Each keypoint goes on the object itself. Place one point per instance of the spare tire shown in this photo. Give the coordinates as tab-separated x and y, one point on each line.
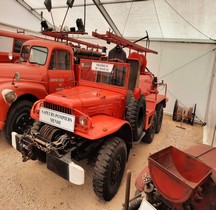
136	113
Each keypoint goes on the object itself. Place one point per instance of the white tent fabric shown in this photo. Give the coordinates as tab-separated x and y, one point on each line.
163	19
181	31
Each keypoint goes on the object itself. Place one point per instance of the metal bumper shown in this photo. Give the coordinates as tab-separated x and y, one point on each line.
145	205
62	166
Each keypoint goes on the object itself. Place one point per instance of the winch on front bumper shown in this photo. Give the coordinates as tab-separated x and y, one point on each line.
60	164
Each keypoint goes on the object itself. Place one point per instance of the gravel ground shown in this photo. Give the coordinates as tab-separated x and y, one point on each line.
31	185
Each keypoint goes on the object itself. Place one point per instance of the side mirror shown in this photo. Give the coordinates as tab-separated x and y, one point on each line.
48	5
137	93
17	76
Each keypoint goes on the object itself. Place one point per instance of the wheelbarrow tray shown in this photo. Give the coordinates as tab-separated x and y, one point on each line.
177	174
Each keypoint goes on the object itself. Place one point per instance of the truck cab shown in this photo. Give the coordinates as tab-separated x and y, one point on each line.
45	67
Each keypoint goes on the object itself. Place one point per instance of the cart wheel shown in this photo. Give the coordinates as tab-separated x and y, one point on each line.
109	168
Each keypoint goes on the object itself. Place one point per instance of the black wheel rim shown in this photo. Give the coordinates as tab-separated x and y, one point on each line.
116	172
23	122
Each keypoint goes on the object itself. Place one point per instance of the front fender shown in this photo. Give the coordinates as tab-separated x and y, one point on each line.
37	89
103	125
21	89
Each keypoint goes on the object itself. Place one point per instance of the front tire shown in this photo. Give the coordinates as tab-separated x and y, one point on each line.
18	119
109	168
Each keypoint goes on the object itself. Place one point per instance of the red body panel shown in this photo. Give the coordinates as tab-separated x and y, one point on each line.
35	80
102	125
11	42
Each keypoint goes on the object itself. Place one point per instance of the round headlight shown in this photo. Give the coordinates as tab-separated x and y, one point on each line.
9	96
82	120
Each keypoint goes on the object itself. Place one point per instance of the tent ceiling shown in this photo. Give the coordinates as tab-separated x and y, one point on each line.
163	19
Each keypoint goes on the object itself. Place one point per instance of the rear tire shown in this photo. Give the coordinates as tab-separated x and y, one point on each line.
150	132
18	119
109	168
159	110
136	113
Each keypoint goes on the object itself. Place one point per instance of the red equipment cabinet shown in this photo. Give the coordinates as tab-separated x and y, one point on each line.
114	105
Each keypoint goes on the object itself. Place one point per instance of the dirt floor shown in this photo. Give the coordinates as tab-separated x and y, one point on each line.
31	185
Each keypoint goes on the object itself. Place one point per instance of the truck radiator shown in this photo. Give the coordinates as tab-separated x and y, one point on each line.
57	108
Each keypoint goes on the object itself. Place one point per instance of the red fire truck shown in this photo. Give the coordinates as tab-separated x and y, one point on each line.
116	103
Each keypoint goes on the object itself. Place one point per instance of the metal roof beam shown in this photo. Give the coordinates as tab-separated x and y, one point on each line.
105	14
91	4
32	10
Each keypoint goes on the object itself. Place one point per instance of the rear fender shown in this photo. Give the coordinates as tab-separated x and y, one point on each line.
103	125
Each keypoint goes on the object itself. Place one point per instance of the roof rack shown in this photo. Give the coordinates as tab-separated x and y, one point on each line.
113	38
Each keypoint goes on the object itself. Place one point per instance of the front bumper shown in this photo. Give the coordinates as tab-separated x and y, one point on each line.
63	166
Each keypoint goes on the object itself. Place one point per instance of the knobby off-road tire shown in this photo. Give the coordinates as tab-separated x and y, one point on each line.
18	119
136	113
150	132
109	168
159	110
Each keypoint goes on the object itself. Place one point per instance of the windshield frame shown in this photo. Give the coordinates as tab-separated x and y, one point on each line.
30	54
105	72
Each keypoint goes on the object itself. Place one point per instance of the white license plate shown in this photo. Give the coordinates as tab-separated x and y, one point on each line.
57	119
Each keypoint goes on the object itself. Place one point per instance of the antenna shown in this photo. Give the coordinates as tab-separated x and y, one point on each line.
70	5
48	5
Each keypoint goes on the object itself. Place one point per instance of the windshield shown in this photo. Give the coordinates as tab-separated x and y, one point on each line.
38	55
105	73
35	55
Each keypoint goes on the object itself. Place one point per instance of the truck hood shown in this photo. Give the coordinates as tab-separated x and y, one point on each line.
8	70
89	100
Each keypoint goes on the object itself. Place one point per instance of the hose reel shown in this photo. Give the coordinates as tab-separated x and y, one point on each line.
183	114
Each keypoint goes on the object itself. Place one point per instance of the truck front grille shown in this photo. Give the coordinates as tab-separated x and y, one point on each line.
57	108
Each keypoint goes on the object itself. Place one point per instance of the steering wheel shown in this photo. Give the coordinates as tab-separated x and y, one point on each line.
114	81
116	60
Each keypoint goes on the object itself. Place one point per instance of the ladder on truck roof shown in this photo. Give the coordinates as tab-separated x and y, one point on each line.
113	38
65	36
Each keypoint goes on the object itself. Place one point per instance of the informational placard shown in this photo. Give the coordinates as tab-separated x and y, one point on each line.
103	67
57	119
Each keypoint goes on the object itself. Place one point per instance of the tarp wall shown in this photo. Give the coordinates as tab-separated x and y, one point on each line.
210	128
